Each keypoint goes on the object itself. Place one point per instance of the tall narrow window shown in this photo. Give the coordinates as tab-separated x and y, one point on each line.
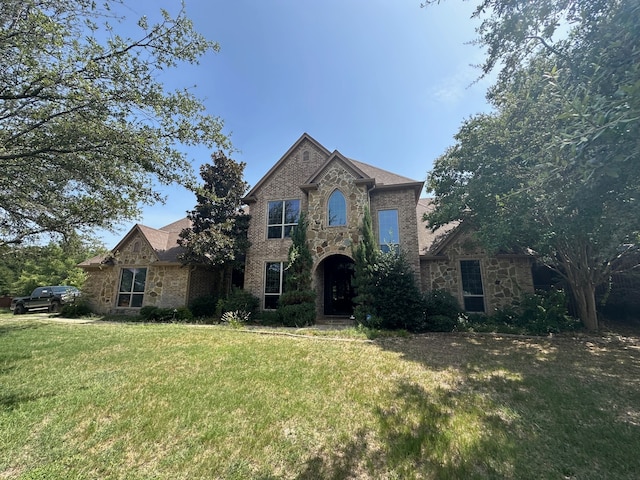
472	291
337	209
273	284
305	156
132	282
388	232
283	216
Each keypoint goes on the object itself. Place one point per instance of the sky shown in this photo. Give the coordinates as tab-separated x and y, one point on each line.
384	82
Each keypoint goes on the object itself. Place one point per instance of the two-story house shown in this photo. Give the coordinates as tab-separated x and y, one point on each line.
333	191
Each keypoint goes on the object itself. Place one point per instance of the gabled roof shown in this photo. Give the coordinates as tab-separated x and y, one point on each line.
433	242
366	173
305	137
347	163
163	241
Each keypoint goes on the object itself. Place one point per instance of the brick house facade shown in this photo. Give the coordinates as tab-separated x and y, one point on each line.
144	269
307	178
333	191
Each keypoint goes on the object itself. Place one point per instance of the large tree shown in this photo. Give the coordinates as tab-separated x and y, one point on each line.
555	167
86	126
218	235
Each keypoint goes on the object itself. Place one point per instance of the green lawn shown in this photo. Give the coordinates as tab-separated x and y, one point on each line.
134	401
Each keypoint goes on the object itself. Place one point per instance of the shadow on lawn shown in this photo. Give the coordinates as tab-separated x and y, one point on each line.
507	407
414	438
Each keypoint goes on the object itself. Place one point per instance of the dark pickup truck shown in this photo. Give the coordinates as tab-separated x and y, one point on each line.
50	299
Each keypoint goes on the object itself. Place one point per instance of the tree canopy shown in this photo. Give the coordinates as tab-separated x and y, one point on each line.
555	167
218	235
86	126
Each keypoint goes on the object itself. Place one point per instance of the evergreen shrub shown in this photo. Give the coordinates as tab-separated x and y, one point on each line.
204	306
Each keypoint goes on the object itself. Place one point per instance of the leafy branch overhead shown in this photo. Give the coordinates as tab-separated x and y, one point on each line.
554	168
86	126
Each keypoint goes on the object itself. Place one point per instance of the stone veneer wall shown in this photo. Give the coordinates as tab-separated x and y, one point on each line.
166	285
325	240
504	277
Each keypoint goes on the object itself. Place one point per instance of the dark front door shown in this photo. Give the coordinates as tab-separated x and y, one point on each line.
338	289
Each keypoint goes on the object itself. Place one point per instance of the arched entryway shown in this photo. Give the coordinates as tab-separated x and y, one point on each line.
338	285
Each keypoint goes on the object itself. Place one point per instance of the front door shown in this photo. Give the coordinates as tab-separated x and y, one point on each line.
338	289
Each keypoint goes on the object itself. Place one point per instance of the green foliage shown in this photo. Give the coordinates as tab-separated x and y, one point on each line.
151	313
443	311
554	168
204	306
239	300
296	306
24	268
298	314
268	318
75	310
365	260
218	235
542	313
398	300
87	126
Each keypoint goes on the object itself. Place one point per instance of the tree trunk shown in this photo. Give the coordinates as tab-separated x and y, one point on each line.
585	297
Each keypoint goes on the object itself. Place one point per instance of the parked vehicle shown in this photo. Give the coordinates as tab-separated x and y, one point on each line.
50	298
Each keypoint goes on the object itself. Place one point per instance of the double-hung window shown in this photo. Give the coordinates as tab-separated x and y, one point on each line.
132	283
388	232
472	291
273	284
283	215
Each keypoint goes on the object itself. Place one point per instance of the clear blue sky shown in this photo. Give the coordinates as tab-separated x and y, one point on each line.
382	81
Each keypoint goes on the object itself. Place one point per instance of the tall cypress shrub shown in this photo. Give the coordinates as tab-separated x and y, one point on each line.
366	262
297	306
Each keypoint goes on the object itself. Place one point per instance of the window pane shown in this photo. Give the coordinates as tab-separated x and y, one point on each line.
274	232
272	279
474	304
471	277
136	300
271	302
275	213
292	211
124	299
126	281
337	209
388	227
139	281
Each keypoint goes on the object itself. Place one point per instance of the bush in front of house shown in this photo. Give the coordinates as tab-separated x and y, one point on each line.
541	313
204	307
151	313
398	302
443	311
298	314
75	310
268	318
239	300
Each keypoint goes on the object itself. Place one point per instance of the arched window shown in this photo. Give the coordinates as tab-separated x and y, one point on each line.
337	209
305	156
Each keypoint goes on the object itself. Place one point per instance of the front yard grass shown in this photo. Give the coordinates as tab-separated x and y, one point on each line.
139	401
